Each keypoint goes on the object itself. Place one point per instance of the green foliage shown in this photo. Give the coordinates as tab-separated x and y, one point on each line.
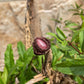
28	55
69	24
21	50
68	56
22	69
37	62
78	80
74	36
54	35
71	67
1	82
60	34
57	55
81	40
4	76
9	60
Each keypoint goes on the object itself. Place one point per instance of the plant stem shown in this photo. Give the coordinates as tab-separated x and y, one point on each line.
82	78
74	47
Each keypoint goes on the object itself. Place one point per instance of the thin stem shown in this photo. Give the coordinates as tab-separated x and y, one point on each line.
82	78
35	69
74	47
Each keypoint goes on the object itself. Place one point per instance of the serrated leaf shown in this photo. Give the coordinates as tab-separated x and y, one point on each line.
63	47
28	57
70	25
60	34
57	55
21	50
22	79
29	54
37	62
29	73
54	35
68	51
81	40
71	67
9	60
19	63
74	36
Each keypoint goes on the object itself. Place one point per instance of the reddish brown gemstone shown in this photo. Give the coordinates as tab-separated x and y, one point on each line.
41	45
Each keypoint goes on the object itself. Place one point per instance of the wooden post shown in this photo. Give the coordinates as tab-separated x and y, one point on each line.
35	26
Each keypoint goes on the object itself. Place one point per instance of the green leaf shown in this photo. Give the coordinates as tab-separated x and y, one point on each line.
19	64
60	34
70	25
1	82
81	40
58	21
26	75
9	60
29	73
76	14
37	62
21	50
54	35
75	35
78	80
57	55
22	79
63	47
13	71
82	17
71	67
28	57
77	6
4	76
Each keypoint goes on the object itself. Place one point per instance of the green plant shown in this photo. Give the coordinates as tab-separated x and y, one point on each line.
68	56
23	68
18	69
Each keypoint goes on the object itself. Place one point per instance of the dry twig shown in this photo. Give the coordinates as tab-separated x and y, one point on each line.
36	78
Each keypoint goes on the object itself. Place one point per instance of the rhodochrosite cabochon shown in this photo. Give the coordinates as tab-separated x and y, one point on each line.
41	45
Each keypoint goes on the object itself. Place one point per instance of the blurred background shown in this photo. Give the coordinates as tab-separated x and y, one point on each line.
12	20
